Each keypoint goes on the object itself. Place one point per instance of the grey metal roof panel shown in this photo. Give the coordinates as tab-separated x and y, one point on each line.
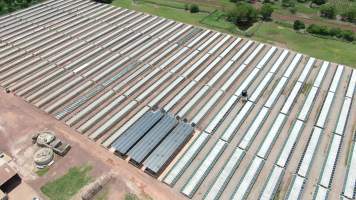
136	131
151	139
169	146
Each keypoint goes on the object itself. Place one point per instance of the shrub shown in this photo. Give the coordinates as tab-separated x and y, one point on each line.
298	25
194	8
335	32
328	11
266	11
348	35
318	30
319	2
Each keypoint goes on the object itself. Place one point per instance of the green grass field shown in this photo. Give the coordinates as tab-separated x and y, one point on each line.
332	50
130	196
65	187
163	11
270	32
300	7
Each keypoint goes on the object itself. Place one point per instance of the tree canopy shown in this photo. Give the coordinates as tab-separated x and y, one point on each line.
328	11
194	8
7	6
349	14
243	14
298	25
266	11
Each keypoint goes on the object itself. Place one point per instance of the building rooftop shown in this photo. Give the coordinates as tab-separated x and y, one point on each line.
6	173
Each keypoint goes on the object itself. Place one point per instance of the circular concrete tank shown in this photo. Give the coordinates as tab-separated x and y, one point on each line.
45	138
43	157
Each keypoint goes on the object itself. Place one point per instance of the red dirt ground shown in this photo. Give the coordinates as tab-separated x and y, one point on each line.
19	120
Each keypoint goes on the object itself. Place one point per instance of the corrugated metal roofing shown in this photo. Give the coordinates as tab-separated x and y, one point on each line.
152	138
169	146
136	131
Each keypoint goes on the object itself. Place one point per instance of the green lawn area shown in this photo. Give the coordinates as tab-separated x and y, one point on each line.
69	184
301	8
270	32
304	8
332	50
163	11
217	21
130	196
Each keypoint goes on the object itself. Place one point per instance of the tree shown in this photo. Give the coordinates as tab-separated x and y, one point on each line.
319	2
2	7
328	11
243	14
293	10
298	25
194	8
7	6
266	11
349	15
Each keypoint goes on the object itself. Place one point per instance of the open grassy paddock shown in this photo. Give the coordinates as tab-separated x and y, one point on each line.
212	16
327	49
65	187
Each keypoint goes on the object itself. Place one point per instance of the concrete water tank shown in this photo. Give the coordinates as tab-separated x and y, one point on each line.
45	137
43	157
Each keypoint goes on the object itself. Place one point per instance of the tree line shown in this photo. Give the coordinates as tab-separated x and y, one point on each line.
326	8
315	29
7	6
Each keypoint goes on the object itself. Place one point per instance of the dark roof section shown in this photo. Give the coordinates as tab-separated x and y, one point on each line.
6	173
145	146
166	151
129	138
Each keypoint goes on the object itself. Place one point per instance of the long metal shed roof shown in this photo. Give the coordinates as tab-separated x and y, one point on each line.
152	138
136	131
169	146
